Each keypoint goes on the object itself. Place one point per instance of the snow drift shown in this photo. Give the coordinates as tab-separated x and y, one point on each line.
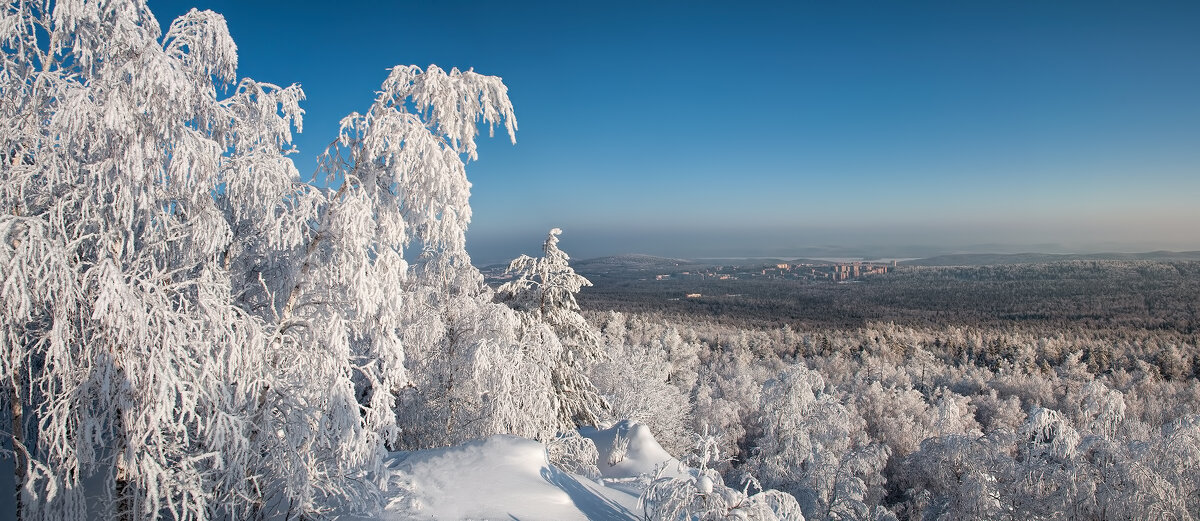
501	477
628	450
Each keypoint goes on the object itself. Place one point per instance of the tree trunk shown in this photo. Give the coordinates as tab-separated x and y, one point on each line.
122	489
451	413
20	455
124	505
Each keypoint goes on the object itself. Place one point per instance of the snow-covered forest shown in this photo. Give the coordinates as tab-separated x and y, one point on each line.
948	422
191	330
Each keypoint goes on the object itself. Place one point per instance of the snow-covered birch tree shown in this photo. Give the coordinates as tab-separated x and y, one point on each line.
125	179
182	317
400	169
356	316
815	448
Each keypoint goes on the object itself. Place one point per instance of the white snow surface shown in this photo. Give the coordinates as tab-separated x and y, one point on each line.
628	449
503	478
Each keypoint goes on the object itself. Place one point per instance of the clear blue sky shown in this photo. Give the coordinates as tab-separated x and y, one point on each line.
789	128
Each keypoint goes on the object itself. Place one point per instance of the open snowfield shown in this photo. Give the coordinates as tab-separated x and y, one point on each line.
501	477
507	477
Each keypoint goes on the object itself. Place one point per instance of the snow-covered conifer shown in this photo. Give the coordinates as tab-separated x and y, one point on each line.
543	290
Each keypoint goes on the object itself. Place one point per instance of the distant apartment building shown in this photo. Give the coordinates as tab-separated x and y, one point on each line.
840	272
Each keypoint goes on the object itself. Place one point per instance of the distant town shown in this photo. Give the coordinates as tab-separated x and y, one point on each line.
813	272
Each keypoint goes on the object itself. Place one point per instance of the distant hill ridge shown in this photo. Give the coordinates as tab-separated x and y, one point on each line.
630	260
991	259
639	261
635	258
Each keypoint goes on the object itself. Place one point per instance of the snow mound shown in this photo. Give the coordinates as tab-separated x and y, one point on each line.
501	477
628	450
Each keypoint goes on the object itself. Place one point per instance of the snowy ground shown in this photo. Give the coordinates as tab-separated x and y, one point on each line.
510	478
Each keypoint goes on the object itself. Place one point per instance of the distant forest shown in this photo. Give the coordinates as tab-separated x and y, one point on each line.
1100	294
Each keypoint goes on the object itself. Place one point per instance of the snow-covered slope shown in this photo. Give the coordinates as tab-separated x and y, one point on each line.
501	477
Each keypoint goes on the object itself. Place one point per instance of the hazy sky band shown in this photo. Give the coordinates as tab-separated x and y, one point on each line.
692	127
